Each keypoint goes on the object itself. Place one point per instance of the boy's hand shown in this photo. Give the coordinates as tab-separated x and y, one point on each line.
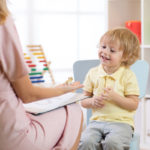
97	102
109	94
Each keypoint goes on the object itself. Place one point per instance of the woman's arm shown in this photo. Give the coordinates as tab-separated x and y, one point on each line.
29	93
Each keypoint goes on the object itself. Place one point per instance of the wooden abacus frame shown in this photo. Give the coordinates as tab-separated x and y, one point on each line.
36	48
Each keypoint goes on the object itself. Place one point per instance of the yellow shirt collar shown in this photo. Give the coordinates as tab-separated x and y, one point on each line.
114	76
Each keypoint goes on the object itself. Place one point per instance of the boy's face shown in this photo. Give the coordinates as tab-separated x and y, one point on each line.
110	55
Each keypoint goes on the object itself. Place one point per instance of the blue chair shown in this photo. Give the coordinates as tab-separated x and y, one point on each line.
140	68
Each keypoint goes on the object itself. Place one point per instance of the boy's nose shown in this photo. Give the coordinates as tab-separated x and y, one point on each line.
106	51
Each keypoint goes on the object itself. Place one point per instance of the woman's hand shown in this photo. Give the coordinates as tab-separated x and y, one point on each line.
28	92
69	87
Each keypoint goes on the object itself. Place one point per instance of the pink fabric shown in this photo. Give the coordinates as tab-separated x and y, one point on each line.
19	130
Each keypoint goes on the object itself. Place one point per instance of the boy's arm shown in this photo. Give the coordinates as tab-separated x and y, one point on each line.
93	102
87	103
131	102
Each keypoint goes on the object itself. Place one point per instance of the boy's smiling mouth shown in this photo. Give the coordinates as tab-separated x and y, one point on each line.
105	58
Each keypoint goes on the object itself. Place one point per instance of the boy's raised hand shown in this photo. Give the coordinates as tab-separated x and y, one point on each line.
109	94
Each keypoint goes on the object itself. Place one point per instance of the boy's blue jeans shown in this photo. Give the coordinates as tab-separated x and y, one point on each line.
106	136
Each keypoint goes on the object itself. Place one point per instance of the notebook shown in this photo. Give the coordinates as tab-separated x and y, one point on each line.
50	104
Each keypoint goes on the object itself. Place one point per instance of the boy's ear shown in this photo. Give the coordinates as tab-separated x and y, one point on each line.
124	59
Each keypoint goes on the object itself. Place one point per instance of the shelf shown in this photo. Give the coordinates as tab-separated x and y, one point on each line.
118	13
145	147
147	96
145	46
146	22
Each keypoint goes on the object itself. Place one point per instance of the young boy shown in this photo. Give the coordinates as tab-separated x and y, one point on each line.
114	93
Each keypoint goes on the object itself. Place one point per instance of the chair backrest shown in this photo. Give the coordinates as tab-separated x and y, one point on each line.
140	68
81	67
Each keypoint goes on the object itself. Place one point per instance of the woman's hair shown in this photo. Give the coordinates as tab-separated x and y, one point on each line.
128	42
4	12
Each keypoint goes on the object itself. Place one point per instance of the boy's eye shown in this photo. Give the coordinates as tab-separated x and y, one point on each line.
112	50
103	47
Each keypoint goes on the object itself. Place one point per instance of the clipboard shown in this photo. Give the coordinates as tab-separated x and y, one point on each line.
50	104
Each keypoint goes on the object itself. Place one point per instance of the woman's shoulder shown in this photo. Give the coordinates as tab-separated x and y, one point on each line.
8	24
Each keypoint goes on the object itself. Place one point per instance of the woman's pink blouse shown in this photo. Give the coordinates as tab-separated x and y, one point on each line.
18	129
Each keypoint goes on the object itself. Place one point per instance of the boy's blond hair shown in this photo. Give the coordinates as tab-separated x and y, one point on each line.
128	42
3	11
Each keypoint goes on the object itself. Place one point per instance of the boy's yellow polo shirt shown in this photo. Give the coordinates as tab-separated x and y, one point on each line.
123	81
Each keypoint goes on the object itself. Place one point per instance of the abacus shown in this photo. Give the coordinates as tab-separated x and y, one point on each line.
40	71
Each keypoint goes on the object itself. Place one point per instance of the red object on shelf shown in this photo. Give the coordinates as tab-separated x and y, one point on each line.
28	61
45	65
42	61
32	65
135	27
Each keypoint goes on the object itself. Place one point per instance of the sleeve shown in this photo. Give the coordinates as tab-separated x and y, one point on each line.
131	84
88	86
11	54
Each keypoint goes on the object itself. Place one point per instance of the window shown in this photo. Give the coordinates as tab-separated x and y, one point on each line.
68	30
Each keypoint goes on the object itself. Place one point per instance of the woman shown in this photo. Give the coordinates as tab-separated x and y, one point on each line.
59	129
